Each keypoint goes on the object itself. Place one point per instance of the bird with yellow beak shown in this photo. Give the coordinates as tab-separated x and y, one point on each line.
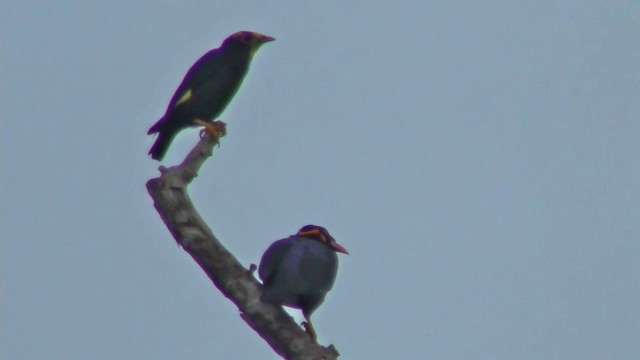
207	89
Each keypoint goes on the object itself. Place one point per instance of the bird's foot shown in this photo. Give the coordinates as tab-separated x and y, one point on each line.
216	129
308	328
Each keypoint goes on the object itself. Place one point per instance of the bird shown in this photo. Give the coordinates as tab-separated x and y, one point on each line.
207	89
299	270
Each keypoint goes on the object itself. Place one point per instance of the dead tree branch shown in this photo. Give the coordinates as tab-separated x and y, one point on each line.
272	323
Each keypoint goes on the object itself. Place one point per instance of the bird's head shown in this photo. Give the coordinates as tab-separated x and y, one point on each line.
321	234
250	39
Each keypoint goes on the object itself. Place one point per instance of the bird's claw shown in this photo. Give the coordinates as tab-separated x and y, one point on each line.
308	328
216	129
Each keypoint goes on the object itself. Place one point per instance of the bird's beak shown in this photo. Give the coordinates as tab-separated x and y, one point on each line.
266	39
338	248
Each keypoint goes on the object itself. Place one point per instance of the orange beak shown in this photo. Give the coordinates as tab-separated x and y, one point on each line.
338	248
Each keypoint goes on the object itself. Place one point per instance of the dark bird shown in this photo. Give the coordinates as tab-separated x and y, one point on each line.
207	89
299	271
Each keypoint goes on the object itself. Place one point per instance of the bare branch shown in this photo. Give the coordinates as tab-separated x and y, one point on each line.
272	323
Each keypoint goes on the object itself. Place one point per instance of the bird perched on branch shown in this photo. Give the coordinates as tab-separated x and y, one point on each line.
207	89
299	271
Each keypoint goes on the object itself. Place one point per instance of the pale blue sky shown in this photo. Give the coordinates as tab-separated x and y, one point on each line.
478	159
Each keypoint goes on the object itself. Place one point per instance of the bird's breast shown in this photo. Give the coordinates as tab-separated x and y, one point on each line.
310	266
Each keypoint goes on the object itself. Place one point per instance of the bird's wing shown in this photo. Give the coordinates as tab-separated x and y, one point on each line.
272	257
207	67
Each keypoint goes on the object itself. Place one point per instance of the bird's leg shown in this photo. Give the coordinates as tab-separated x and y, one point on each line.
308	327
217	129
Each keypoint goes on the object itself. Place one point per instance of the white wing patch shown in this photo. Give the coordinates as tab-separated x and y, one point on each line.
184	98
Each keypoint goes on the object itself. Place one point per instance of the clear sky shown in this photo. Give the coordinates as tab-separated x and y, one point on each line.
479	160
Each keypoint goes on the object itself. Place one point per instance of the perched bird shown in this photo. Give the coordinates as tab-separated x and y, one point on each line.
207	89
299	271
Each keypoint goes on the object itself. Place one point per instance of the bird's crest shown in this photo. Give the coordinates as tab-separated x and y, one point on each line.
315	232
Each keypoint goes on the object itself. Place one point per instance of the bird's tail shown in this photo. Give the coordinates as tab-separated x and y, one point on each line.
160	147
157	126
165	137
